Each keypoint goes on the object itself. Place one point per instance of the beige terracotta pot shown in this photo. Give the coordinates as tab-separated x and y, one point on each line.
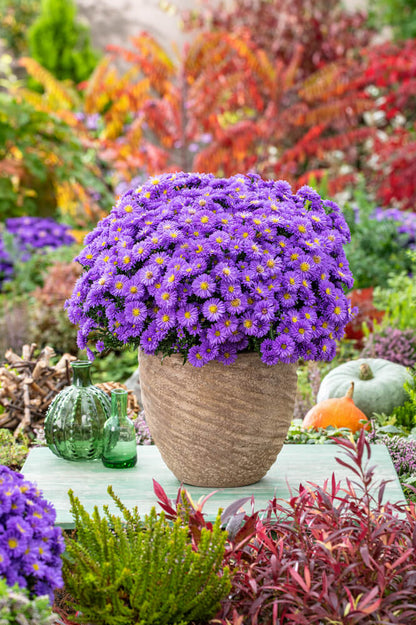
217	426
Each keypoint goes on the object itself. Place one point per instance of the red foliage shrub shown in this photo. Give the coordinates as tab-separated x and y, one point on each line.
330	554
323	28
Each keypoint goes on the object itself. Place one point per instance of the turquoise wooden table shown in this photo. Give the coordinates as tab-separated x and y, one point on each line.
295	464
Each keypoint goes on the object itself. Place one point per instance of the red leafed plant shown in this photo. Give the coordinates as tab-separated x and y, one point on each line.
331	554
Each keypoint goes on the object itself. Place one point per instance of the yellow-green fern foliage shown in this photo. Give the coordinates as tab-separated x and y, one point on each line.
129	569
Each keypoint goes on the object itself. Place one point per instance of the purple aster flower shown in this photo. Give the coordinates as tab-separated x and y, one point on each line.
216	335
285	347
135	310
165	319
236	304
249	324
203	286
187	315
264	310
269	353
213	309
227	354
196	356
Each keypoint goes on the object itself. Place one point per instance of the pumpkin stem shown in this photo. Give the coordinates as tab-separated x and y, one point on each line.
350	392
365	372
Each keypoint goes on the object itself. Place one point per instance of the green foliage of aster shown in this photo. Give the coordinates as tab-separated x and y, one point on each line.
123	570
208	267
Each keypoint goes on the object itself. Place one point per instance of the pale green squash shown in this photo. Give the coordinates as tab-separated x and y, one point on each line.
378	384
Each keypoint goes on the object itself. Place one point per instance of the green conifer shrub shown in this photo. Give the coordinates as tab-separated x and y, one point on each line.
60	43
124	570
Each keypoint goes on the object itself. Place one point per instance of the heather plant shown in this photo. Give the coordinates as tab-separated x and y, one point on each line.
402	451
207	267
17	608
30	545
132	569
391	344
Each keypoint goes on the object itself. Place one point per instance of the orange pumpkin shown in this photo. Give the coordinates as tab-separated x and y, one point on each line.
340	412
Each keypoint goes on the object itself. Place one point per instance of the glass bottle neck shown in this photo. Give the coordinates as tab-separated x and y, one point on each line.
119	403
82	373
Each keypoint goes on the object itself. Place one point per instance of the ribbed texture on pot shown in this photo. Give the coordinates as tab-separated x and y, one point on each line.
217	426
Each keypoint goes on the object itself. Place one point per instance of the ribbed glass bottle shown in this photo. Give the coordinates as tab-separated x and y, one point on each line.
120	447
75	419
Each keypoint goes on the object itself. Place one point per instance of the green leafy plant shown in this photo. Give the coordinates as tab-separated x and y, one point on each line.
17	609
398	300
116	366
143	570
377	248
321	436
60	43
399	15
12	452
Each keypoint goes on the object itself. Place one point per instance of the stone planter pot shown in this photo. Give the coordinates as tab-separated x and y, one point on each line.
217	426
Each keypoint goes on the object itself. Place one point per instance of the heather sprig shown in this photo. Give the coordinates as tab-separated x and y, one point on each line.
208	267
30	545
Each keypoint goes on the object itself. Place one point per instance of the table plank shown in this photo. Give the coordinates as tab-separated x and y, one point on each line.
295	464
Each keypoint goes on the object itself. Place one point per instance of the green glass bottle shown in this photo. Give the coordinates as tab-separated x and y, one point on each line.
75	418
120	447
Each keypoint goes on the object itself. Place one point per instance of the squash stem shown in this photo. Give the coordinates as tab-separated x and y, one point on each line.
365	372
350	391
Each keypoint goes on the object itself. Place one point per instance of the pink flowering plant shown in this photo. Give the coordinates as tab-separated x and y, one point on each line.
207	267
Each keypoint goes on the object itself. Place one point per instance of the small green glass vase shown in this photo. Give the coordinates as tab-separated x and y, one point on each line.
75	418
120	447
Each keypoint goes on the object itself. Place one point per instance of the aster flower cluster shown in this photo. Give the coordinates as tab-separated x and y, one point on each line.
30	545
38	232
208	267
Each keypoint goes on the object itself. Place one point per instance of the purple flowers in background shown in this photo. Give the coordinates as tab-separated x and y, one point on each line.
208	267
30	545
402	451
31	233
406	222
36	232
